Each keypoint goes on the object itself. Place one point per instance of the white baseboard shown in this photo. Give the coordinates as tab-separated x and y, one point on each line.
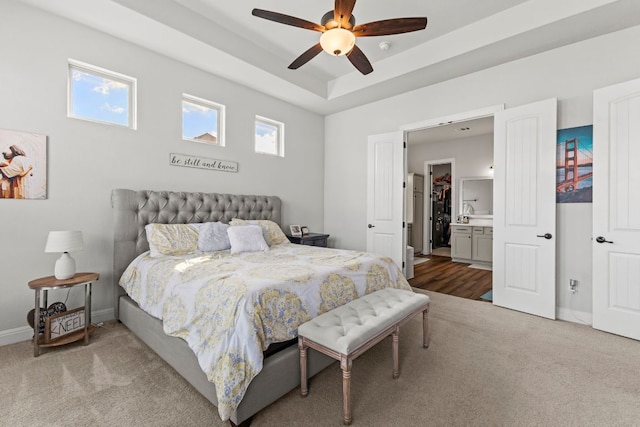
103	315
25	333
575	316
11	336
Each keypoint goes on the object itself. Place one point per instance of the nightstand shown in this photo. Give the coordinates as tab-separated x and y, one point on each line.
311	239
42	286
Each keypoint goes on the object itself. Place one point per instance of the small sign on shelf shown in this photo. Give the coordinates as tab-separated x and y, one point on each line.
62	324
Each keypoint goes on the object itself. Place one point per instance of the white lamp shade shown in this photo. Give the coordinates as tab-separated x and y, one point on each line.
64	241
337	41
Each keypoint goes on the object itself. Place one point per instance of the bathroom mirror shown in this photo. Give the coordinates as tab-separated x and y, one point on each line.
476	197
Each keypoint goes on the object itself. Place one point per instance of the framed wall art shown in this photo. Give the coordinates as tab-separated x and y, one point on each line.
23	165
574	165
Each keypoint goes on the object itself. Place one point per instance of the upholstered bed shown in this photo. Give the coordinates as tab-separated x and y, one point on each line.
278	372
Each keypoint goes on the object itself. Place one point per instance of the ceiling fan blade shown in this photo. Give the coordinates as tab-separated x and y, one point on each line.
342	12
389	27
287	20
359	60
306	57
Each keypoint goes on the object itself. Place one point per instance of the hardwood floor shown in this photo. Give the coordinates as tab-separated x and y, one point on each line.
440	274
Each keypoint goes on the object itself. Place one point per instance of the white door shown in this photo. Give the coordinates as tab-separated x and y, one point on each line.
385	192
616	209
524	221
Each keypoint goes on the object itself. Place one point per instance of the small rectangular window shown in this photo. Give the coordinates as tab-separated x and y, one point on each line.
202	120
269	137
100	95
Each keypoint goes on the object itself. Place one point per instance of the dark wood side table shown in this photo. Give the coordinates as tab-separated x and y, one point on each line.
311	239
42	286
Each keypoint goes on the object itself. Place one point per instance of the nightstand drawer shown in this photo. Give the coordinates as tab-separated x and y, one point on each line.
316	242
311	239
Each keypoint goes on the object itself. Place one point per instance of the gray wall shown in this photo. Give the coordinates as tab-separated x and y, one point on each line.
87	160
569	74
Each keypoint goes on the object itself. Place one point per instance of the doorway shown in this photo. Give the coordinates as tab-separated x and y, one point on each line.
445	154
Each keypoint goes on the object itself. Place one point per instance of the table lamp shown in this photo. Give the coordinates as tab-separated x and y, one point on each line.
65	242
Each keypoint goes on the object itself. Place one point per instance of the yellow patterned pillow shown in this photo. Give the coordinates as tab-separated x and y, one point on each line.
271	231
171	239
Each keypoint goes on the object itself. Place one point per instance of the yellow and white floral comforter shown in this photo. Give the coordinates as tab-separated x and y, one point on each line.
229	308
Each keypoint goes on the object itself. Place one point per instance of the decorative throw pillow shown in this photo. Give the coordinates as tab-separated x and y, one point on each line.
213	237
246	238
171	239
271	231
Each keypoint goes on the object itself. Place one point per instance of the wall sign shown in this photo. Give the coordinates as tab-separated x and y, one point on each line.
197	162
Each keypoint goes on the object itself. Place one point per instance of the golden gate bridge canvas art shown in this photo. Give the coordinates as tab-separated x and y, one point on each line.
574	165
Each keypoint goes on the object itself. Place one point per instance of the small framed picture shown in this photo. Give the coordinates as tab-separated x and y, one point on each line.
305	230
295	230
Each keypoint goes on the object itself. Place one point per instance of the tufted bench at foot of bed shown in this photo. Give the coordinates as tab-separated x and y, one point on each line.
346	332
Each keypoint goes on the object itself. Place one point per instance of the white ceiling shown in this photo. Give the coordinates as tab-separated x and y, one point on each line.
462	36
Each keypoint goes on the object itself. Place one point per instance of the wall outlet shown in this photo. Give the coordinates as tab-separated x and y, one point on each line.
573	283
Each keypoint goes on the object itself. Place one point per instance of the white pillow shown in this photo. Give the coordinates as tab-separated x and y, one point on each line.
213	237
246	238
271	231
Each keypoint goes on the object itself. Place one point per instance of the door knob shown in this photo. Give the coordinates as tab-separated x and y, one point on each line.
545	235
371	226
601	239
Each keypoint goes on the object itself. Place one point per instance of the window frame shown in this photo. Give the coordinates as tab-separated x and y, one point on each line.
100	72
280	135
201	102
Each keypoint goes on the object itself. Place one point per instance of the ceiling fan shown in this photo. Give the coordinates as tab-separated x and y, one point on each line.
339	32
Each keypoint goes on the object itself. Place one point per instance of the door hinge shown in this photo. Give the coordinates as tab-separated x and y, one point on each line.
405	144
404	185
402	224
402	264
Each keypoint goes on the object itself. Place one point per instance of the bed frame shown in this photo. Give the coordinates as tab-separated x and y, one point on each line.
134	210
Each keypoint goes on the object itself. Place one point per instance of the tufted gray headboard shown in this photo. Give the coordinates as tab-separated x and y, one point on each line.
135	209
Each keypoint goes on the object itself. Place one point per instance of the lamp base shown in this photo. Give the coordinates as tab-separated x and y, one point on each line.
65	267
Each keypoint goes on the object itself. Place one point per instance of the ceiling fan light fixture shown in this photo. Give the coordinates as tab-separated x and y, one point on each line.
337	41
339	32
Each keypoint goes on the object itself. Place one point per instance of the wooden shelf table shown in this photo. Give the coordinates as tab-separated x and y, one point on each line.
42	286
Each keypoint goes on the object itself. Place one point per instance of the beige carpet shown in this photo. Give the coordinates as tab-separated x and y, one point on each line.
486	366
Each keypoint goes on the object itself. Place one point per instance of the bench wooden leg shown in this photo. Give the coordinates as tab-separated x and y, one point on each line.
425	328
345	364
303	368
396	352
